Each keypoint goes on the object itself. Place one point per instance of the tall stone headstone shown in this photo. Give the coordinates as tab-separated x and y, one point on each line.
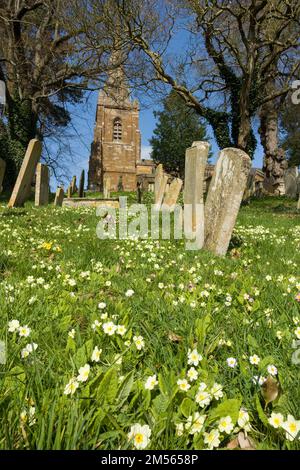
21	191
2	171
172	194
159	173
73	185
81	184
106	187
161	192
195	164
59	197
42	185
224	198
291	183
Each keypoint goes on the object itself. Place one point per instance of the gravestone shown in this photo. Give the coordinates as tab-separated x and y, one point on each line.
69	192
21	191
73	185
59	197
224	198
172	194
2	171
42	185
161	192
106	187
81	184
298	204
159	173
195	164
291	183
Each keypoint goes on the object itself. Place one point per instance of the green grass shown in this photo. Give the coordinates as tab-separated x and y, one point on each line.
176	292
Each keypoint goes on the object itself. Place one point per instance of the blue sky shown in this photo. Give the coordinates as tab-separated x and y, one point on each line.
82	130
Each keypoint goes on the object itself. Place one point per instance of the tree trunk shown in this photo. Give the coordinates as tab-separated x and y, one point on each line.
275	162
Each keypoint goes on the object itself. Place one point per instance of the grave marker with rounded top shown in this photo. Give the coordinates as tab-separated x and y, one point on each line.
224	198
21	191
195	164
161	192
2	171
172	194
42	185
59	197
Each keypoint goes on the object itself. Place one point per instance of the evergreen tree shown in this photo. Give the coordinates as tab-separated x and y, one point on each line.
177	128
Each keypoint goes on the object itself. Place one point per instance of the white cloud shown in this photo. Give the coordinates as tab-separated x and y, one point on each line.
146	151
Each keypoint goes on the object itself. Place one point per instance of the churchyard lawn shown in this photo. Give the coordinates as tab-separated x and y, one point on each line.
110	344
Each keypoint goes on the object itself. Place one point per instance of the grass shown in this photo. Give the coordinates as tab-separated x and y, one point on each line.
54	272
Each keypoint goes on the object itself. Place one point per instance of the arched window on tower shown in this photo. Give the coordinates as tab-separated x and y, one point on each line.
117	134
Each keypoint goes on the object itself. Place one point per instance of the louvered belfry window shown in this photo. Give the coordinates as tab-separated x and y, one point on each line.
117	129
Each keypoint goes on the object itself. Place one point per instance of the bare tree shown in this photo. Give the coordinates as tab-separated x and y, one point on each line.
237	46
50	51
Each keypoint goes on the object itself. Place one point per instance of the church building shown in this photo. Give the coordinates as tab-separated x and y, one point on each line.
116	149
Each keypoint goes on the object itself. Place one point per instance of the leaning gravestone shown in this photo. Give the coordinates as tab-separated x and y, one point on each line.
159	173
42	185
172	194
59	197
195	164
2	171
224	198
291	183
21	191
161	192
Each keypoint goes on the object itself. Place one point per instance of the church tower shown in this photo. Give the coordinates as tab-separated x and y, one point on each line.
116	149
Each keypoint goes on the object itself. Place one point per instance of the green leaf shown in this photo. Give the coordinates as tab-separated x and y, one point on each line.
260	411
186	407
201	328
84	353
108	388
252	342
160	404
265	362
126	387
230	407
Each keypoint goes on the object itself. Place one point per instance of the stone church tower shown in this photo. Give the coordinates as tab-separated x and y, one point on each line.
116	150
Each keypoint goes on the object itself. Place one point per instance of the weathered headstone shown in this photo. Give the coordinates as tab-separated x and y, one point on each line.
298	204
59	197
106	187
224	198
42	185
159	173
2	171
81	184
172	194
69	192
291	184
161	192
21	191
195	164
73	185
